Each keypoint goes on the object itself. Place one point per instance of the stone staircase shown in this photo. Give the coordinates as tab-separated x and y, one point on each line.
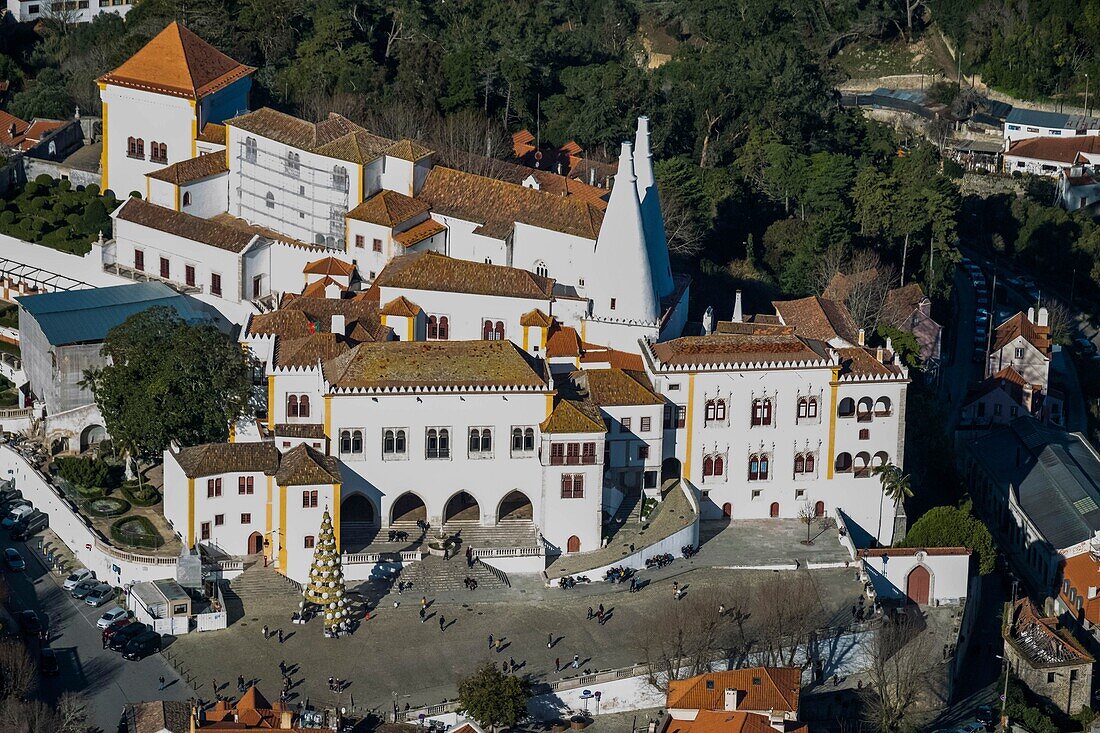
259	590
434	576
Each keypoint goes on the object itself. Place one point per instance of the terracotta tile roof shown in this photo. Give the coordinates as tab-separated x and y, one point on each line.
434	364
1079	574
228	220
536	318
763	688
720	721
613	358
1058	149
418	233
548	182
194	169
497	205
401	306
216	458
179	63
301	316
318	288
307	351
284	322
910	551
329	266
818	318
1041	640
184	225
335	136
1012	383
408	150
612	387
299	430
8	138
306	466
1019	325
212	132
574	416
859	361
901	302
717	349
433	271
388	209
157	716
754	328
562	341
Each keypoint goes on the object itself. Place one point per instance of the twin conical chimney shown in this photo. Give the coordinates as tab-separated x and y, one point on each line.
652	219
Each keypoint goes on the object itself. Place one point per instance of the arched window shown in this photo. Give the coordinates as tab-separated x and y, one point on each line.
517	439
762	411
767	411
293	164
140	148
846	408
708	466
186	198
486	440
809	463
529	439
399	442
803	408
864	409
763	466
719	466
303	406
250	149
292	405
799	463
345	441
498	331
540	269
433	327
444	328
710	411
131	147
444	443
475	440
357	441
432	441
843	462
387	442
882	406
880	459
719	409
340	178
811	407
754	467
487	331
269	200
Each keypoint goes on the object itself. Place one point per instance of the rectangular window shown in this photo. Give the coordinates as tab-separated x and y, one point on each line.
246	518
650	479
588	454
377	245
557	454
643	452
219	520
360	241
573	453
865	434
246	485
215	283
1050	678
189	275
612	304
165	268
309	499
996	410
625	422
572	486
681	416
308	542
205	530
1020	353
646	424
213	487
1015	411
139	260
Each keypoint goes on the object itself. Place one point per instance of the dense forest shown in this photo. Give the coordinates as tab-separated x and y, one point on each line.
765	179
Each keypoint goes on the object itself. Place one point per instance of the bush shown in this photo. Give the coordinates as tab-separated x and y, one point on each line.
136	531
948	526
144	495
107	506
84	472
44	179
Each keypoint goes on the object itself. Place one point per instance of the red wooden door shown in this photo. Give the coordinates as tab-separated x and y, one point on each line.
775	508
917	585
819	509
573	544
727	510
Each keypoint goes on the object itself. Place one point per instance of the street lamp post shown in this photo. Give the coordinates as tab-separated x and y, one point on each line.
1086	95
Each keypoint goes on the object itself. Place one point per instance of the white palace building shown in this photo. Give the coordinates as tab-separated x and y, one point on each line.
509	360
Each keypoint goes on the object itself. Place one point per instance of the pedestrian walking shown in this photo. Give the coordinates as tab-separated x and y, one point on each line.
423	615
214	684
240	683
442	623
280	636
600	609
511	664
423	602
576	661
265	630
590	614
550	640
504	667
282	668
721	609
490	641
161	680
500	643
557	664
599	617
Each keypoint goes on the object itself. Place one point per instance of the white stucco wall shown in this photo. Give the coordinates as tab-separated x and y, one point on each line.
151	117
950	574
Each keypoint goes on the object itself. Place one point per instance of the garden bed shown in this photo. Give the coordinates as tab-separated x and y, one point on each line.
55	214
146	495
136	531
107	506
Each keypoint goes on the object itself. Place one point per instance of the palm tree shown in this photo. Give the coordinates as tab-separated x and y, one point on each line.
895	486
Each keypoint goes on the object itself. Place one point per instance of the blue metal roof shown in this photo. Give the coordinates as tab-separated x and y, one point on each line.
1037	118
85	316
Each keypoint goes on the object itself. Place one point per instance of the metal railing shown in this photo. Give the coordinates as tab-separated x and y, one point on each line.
497	573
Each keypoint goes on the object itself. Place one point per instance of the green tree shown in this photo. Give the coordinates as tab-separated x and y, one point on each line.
493	698
873	195
169	380
949	526
895	486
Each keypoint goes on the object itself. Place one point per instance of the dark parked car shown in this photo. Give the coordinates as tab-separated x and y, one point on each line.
47	663
986	715
14	560
29	526
114	628
122	637
83	588
30	623
142	646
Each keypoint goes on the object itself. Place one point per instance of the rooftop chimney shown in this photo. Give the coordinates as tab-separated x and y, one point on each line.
879	354
708	321
777	721
1031	314
338	324
1044	317
731	700
862	337
286	720
737	317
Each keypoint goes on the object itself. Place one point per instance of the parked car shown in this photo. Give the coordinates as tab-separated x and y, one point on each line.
110	617
122	637
971	727
16	514
986	715
77	576
47	662
117	626
7	496
29	526
142	646
30	623
101	594
81	590
14	560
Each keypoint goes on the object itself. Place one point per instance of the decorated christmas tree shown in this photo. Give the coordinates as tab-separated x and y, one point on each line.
325	589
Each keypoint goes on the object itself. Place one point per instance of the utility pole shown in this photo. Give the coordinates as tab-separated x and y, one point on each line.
1086	95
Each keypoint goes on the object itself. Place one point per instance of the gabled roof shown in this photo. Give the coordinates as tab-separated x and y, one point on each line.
535	318
156	716
497	206
211	459
197	229
305	466
719	348
212	132
179	63
193	169
1008	379
434	364
1057	149
573	416
388	208
401	306
419	232
1041	640
329	266
436	272
307	351
1080	573
859	361
1019	325
408	150
763	688
253	699
303	315
737	721
818	318
616	387
562	341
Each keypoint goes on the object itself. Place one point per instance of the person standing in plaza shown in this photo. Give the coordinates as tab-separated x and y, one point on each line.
576	661
490	641
500	644
557	664
424	602
265	630
423	615
442	622
550	640
161	680
280	636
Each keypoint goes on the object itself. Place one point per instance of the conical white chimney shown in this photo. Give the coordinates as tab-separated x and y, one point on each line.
656	242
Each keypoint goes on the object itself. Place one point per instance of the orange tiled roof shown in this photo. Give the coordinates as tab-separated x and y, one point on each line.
1042	640
307	351
717	349
388	209
573	416
616	387
317	288
329	266
179	63
536	318
306	466
437	272
419	232
334	137
720	721
1058	149
302	316
860	361
1079	574
764	688
562	341
1019	325
212	132
613	358
193	169
401	306
184	225
8	138
818	318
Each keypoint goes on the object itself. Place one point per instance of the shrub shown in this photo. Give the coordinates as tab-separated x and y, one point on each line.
64	185
44	179
92	189
84	472
144	495
136	531
107	506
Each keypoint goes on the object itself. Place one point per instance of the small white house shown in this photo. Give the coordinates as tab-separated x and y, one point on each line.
926	576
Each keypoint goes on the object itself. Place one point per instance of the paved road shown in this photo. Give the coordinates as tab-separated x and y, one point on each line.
104	679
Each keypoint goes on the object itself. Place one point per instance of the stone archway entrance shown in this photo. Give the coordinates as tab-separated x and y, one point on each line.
255	543
92	436
670	469
515	507
462	507
408	508
573	544
357	509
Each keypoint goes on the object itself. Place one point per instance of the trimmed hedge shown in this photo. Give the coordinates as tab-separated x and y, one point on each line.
107	507
136	531
131	492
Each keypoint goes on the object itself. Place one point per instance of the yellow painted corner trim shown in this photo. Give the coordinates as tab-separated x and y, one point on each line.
270	401
103	151
549	403
232	432
177	188
412	328
834	386
526	338
190	512
328	416
690	425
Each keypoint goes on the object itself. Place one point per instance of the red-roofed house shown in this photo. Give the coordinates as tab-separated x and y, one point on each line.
1048	156
761	690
